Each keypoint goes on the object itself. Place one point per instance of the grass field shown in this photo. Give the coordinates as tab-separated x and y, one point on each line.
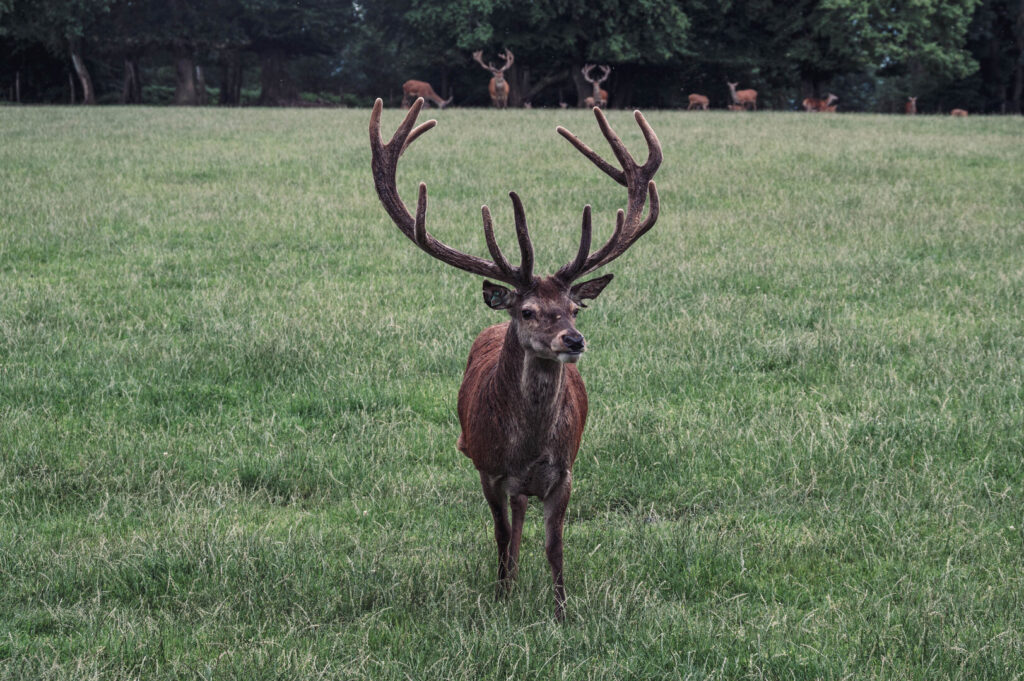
227	401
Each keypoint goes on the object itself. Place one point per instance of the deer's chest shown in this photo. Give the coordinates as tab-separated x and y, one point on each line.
536	454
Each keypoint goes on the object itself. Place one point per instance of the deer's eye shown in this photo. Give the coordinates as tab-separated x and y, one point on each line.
575	312
527	314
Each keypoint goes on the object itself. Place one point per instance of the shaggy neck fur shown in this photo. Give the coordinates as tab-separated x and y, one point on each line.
540	382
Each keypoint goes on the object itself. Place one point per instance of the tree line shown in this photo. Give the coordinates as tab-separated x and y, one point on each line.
872	53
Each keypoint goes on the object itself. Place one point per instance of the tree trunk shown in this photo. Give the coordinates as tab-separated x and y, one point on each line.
276	86
583	88
17	87
131	90
620	88
71	87
185	89
201	93
88	96
1018	87
1018	80
518	78
231	78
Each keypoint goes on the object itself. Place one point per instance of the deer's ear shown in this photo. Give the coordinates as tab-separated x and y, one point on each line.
589	289
498	297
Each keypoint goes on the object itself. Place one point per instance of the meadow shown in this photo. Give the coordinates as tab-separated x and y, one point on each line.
228	383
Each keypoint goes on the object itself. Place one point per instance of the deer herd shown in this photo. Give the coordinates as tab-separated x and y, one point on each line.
522	405
500	90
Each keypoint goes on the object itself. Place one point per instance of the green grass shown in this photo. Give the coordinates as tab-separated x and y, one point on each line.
227	401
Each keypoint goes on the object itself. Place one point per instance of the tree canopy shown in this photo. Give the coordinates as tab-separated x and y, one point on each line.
872	53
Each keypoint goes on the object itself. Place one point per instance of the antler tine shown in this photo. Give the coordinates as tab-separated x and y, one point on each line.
605	167
639	185
492	245
568	272
384	162
523	235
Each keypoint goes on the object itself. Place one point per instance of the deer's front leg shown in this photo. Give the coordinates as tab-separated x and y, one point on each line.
518	503
555	505
498	501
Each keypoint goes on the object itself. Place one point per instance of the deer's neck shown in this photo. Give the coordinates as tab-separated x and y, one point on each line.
536	386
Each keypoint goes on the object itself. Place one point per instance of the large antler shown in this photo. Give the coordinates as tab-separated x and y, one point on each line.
636	178
384	162
478	57
509	60
507	55
605	71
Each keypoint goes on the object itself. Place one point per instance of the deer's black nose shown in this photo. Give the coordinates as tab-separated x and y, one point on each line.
574	341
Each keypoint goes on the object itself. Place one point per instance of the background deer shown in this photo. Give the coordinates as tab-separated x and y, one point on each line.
958	113
698	102
411	89
735	107
813	104
522	405
745	98
911	106
599	98
498	87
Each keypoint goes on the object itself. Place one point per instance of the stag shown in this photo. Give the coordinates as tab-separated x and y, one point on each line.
911	106
599	98
522	405
498	87
813	104
745	98
412	89
698	102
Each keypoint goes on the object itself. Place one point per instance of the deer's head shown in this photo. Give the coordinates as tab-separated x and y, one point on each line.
498	73
542	309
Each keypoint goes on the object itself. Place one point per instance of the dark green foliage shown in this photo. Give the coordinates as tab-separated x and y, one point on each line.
872	53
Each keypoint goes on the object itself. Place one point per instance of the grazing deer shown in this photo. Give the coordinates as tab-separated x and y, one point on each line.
522	405
411	89
812	104
958	113
831	109
745	98
735	107
911	106
600	97
698	102
498	87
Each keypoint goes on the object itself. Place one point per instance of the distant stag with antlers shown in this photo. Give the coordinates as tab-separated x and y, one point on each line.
522	405
745	98
498	87
599	98
813	104
413	89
